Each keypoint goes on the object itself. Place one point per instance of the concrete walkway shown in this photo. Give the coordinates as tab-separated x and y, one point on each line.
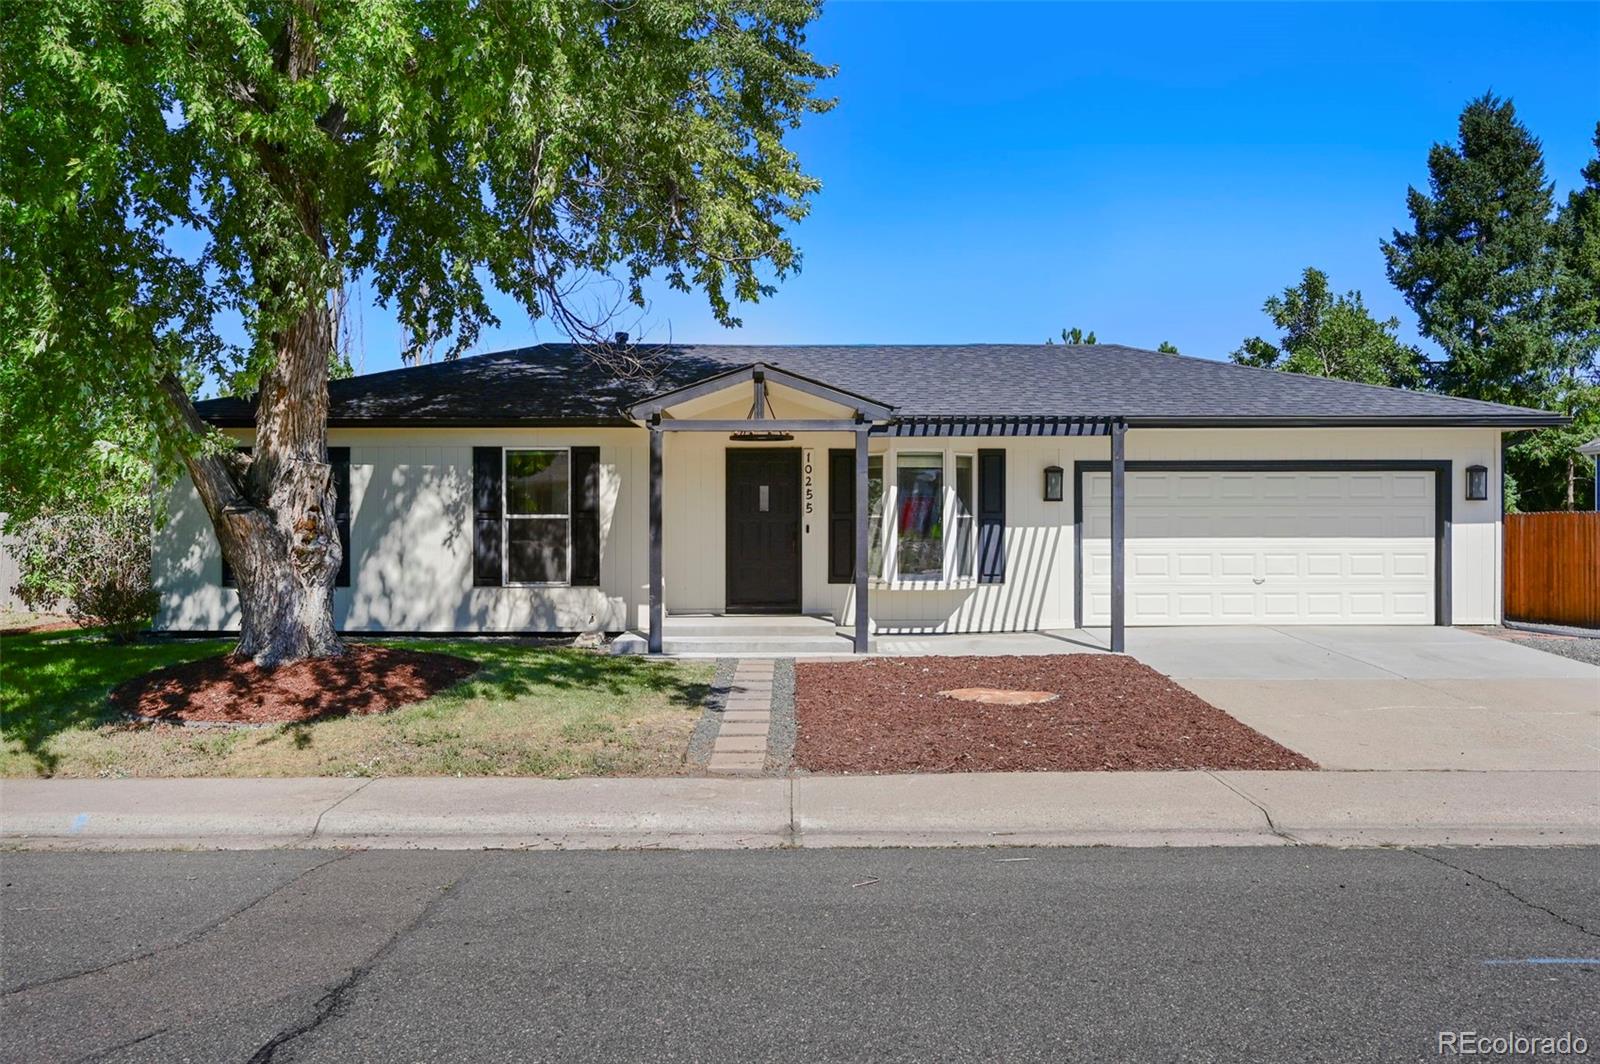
1113	808
740	748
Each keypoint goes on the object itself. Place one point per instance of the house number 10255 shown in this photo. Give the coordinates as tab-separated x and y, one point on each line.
810	492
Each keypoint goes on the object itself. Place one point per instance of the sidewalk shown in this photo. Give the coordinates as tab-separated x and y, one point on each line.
1021	809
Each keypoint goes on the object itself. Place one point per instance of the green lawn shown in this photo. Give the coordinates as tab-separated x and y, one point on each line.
529	711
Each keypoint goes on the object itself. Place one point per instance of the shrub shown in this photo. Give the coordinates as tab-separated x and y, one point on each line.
94	561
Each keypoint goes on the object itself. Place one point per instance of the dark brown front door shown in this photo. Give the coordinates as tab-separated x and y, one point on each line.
763	530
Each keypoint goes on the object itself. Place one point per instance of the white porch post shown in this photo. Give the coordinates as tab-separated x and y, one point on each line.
655	537
860	574
1118	533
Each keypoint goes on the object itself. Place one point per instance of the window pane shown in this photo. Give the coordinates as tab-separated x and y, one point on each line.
966	553
875	516
536	482
920	513
536	550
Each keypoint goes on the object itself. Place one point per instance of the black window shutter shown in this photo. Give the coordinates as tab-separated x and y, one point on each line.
841	516
227	570
488	529
585	516
339	458
991	516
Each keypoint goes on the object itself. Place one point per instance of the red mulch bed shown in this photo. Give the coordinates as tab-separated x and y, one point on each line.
1114	714
230	690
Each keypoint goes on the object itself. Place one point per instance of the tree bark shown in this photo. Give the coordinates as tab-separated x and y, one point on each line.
274	511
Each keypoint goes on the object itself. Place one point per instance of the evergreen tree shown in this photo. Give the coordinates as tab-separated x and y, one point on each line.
1480	266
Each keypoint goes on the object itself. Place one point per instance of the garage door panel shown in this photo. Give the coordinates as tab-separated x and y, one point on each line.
1279	547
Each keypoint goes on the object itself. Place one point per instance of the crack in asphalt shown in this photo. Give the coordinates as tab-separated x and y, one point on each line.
1272	827
102	1054
1530	903
187	939
331	1003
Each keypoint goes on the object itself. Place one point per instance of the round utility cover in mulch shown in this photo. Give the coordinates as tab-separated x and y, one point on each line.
1112	713
231	690
997	696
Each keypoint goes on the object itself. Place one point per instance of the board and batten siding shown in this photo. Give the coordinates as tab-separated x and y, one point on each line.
411	541
411	535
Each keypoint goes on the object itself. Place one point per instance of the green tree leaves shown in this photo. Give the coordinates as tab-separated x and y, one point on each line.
1329	335
1477	266
1508	289
162	165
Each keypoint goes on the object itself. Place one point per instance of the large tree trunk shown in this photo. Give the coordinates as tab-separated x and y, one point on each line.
273	511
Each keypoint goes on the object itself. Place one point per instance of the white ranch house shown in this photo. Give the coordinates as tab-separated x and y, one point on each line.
898	489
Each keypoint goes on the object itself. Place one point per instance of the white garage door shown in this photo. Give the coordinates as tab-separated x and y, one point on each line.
1265	548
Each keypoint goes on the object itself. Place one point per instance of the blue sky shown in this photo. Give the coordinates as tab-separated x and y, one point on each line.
994	172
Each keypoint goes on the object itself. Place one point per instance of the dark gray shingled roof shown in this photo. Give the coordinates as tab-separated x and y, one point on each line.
556	384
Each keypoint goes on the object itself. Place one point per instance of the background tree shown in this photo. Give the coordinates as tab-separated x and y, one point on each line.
1480	267
163	164
1074	335
1576	383
1328	335
1167	347
89	553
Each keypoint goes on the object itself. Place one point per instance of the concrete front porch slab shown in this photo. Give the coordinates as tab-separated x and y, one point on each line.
1055	641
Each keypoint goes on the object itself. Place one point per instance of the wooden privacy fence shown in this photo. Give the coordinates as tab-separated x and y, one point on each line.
1553	568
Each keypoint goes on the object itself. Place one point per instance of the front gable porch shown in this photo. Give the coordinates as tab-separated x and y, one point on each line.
768	417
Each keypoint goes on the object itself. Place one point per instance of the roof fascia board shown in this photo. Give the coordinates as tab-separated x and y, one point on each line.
1507	421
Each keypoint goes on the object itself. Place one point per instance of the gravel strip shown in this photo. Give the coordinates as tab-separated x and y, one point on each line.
705	729
780	737
1576	649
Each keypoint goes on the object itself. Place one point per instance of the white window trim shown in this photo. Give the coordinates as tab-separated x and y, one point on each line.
506	519
889	579
952	553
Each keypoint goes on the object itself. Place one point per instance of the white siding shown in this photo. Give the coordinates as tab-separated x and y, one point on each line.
412	537
411	541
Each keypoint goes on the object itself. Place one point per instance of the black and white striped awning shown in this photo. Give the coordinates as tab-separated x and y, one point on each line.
998	426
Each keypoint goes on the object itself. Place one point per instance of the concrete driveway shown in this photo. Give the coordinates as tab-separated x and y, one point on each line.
1391	697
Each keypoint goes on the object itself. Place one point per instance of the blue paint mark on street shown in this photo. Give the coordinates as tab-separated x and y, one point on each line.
78	823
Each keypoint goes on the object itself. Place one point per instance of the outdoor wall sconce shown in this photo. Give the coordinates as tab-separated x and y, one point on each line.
1054	483
1477	483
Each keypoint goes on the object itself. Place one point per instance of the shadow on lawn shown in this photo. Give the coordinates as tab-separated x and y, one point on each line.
51	682
54	682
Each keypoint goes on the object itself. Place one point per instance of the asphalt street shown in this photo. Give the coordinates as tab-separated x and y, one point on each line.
1269	954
